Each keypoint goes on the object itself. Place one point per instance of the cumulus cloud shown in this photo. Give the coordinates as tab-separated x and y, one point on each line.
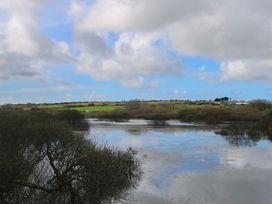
234	33
257	70
130	40
131	58
135	15
132	55
24	52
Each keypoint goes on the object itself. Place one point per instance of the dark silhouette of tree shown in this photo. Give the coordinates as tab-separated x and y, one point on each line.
222	99
43	161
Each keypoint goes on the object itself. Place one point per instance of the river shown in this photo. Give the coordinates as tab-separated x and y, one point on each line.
192	163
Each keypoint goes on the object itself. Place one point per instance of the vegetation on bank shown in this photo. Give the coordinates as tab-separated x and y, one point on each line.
43	160
211	113
244	134
218	111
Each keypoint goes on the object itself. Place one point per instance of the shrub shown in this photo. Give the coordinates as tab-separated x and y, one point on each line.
260	105
43	161
74	118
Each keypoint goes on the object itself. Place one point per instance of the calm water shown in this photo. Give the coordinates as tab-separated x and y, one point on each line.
192	164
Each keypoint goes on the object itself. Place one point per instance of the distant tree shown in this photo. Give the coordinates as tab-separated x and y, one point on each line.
222	99
43	161
225	99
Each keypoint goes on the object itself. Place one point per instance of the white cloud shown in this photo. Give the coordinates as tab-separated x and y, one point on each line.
129	60
35	90
237	34
94	96
24	51
247	70
135	15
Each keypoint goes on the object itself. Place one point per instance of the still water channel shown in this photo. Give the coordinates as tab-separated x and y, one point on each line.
192	163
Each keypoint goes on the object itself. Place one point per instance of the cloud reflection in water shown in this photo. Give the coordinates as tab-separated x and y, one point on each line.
193	166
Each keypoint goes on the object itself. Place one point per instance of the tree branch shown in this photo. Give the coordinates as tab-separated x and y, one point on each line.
34	186
51	161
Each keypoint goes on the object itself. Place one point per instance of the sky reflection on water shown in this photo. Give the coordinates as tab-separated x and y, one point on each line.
193	165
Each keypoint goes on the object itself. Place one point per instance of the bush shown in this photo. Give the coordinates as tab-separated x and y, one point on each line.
43	161
74	118
266	123
260	105
217	115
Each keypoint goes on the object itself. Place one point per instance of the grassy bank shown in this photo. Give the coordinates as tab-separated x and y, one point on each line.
211	113
191	111
258	112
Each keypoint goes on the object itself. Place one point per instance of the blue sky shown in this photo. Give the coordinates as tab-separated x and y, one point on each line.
54	51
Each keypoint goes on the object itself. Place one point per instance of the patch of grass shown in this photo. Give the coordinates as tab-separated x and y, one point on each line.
50	106
97	108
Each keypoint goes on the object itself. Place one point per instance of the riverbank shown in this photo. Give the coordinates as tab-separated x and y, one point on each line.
188	111
208	113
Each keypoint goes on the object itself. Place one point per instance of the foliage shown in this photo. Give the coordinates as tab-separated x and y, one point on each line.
209	113
192	111
261	105
218	115
242	134
266	123
43	161
74	118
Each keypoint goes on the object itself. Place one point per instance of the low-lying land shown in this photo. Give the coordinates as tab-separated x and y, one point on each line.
190	111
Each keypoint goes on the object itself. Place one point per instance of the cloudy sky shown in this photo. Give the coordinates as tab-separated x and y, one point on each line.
81	50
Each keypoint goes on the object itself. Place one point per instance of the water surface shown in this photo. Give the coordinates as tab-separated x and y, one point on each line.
192	163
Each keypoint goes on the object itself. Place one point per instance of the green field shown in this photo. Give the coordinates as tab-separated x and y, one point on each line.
97	108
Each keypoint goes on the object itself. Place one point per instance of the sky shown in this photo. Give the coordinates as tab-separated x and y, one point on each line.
112	50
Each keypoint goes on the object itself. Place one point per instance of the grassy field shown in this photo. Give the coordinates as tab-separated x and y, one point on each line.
80	106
